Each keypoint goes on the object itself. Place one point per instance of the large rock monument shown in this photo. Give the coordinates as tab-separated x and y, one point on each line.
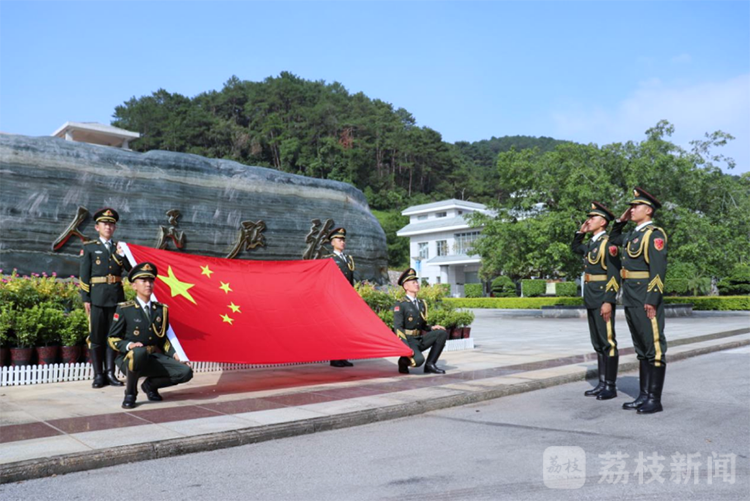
50	188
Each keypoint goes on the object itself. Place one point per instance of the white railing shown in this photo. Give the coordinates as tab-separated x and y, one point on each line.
58	373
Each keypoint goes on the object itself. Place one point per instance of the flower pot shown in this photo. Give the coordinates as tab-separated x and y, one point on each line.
47	354
21	356
86	354
455	333
3	355
70	354
467	332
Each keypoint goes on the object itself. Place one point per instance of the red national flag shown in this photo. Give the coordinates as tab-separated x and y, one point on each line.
265	312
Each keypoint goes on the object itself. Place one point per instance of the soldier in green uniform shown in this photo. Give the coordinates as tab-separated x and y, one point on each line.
345	262
601	282
644	265
410	324
102	265
139	336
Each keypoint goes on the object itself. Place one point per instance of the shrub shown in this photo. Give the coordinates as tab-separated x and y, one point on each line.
473	290
676	287
566	289
27	326
738	282
503	286
52	320
75	329
523	303
716	303
533	288
7	318
446	288
465	318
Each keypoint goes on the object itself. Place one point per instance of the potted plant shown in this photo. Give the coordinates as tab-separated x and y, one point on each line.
467	318
73	332
27	326
52	320
7	315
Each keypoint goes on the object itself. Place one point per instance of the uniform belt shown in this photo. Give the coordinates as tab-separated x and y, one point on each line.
109	279
412	332
634	274
588	277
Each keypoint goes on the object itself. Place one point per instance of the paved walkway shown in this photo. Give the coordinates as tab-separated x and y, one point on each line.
61	427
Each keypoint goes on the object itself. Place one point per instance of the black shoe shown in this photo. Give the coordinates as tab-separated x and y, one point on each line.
96	363
403	365
151	393
600	386
610	377
643	378
99	381
655	386
432	369
129	402
340	363
110	368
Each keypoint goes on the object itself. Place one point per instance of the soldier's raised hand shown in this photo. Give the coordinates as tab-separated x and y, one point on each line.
625	215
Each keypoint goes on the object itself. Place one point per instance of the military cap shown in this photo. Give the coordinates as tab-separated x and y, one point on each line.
644	197
337	233
409	274
598	209
106	215
142	270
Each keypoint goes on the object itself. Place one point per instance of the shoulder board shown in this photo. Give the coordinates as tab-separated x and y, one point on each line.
87	242
329	255
126	304
157	303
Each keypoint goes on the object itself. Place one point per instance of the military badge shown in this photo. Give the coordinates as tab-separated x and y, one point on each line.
636	240
158	319
411	319
136	332
659	243
397	308
116	317
81	254
612	250
97	261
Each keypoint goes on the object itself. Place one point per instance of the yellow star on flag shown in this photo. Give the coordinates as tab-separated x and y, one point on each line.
225	287
178	288
206	271
227	319
235	308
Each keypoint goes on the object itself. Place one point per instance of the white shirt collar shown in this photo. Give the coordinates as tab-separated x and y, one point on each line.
598	236
104	240
145	306
340	254
412	299
643	225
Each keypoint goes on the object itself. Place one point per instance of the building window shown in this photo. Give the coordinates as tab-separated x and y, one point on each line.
422	217
437	280
460	212
441	214
424	250
464	241
442	247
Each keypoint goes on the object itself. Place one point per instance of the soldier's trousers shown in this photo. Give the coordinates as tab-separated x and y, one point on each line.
648	334
433	339
99	325
603	337
154	365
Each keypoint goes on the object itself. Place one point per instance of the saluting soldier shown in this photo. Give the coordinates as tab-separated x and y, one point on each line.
644	266
601	282
345	262
139	336
410	324
102	265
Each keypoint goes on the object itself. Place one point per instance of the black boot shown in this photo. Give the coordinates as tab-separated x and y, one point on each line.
643	381
599	387
403	365
610	378
152	385
111	379
429	365
655	386
131	390
96	362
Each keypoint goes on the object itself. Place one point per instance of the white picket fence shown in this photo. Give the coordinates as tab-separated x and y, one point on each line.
57	373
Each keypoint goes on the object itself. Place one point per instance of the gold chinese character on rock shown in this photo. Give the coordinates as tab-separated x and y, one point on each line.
250	235
72	230
171	233
316	238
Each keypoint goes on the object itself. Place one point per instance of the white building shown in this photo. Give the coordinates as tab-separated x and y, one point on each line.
96	133
440	238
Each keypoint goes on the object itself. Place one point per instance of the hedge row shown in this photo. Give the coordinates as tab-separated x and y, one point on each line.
716	303
473	290
532	288
566	289
513	303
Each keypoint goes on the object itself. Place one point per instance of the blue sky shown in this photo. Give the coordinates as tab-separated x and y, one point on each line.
592	72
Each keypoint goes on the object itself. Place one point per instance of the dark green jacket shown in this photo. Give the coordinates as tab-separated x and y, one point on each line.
407	318
644	250
346	266
97	262
131	325
600	258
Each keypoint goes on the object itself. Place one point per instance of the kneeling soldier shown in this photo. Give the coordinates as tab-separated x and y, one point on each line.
601	282
138	334
409	322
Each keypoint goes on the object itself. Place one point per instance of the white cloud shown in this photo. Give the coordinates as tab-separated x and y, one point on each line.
692	109
682	59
